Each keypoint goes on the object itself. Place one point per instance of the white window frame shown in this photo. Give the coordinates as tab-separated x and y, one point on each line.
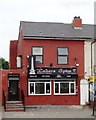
69	88
62	55
38	54
34	88
19	61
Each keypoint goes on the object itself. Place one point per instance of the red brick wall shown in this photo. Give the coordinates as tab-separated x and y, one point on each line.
76	49
13	54
4	79
24	48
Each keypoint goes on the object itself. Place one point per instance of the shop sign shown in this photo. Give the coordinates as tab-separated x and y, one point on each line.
56	71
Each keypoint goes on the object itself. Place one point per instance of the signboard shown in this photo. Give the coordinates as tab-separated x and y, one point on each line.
13	75
55	71
46	72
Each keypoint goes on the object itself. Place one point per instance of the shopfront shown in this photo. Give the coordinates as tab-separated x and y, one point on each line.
64	81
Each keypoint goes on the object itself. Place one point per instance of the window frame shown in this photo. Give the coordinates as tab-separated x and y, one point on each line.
45	93
62	56
38	55
19	65
69	88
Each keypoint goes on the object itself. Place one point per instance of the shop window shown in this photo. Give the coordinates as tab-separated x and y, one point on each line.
38	53
72	87
39	88
61	88
64	88
56	87
62	55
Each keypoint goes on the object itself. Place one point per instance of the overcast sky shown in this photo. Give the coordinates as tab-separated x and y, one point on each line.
14	11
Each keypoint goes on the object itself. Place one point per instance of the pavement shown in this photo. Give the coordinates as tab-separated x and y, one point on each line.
52	112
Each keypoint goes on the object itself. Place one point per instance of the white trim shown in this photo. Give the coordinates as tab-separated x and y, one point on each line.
69	88
34	88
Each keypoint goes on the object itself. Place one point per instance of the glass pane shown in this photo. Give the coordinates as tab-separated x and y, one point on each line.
64	87
62	51
39	88
37	51
56	87
47	87
72	88
18	61
31	88
62	60
39	59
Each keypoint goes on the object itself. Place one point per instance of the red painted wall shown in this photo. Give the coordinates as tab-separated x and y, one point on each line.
54	99
76	49
4	80
13	54
24	48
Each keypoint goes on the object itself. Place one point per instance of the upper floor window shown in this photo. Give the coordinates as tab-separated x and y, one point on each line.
38	52
62	55
19	61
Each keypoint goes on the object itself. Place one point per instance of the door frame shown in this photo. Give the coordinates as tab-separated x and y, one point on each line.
14	78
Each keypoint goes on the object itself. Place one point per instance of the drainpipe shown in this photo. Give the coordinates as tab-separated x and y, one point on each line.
93	81
91	54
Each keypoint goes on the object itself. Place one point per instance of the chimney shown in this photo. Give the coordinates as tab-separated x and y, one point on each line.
77	22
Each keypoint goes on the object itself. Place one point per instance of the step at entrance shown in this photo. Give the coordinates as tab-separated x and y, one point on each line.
14	106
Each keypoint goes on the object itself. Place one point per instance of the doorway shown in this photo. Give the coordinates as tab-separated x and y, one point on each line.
13	90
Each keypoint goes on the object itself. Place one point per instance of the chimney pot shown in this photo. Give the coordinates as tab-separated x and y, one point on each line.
77	22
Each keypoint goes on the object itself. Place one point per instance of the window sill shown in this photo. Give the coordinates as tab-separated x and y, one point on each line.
66	94
38	94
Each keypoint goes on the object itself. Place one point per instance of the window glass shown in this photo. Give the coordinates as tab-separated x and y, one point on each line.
39	88
47	87
38	59
62	60
37	51
18	61
62	51
64	87
31	88
56	87
72	88
62	55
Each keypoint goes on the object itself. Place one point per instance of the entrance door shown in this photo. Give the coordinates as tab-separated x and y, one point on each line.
13	92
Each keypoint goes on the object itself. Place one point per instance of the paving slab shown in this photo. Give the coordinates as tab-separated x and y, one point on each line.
51	112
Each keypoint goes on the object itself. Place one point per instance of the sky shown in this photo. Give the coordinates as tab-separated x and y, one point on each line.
14	11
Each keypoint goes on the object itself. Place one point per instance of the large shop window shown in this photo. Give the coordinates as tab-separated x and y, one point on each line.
64	88
38	52
62	55
39	88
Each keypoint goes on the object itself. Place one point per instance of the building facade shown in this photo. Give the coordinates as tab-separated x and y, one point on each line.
47	63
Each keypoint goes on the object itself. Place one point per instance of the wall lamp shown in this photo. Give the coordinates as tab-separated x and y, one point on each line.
76	62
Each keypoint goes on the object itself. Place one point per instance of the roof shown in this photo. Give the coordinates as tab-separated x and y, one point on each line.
49	30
